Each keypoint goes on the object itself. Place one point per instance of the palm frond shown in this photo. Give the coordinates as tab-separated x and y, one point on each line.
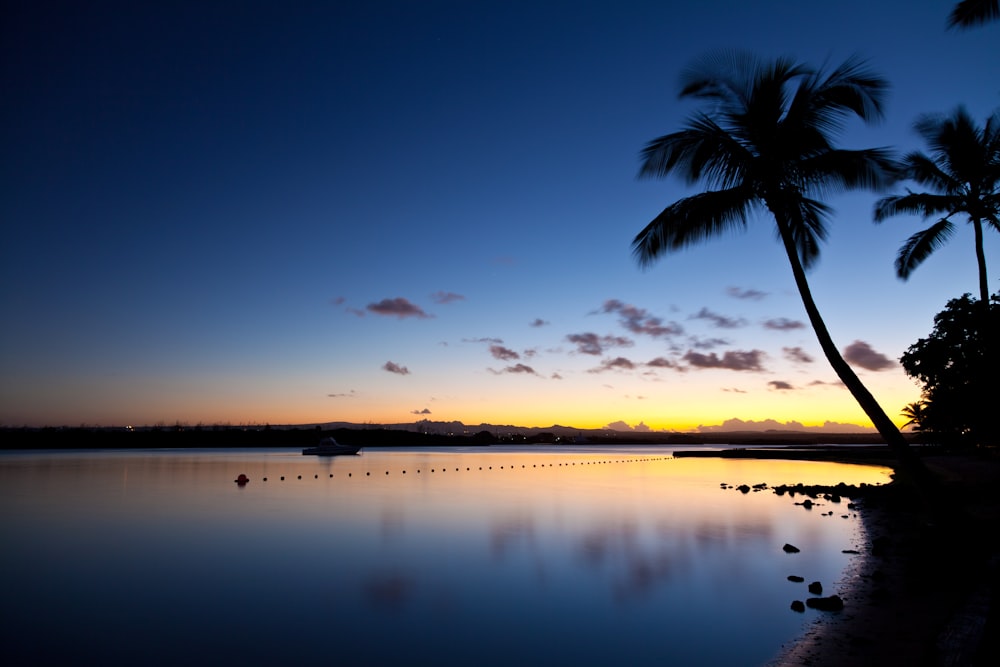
921	245
807	225
701	150
850	88
691	220
920	168
924	204
970	13
831	170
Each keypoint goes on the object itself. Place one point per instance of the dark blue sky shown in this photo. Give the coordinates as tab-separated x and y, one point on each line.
206	203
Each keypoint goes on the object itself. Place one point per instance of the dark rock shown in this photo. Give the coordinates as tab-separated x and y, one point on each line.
796	578
816	588
832	603
808	504
743	488
798	606
854	552
790	549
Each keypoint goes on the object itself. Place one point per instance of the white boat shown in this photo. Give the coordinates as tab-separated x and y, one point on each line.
330	447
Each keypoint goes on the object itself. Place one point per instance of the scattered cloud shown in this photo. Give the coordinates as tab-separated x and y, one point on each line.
503	353
861	354
780	385
783	324
337	301
624	426
750	294
797	354
515	369
492	341
616	364
721	321
538	322
349	394
774	425
734	360
398	307
446	297
425	411
661	362
734	390
591	343
639	321
393	367
708	343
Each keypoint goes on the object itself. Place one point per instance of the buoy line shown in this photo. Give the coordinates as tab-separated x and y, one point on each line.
242	479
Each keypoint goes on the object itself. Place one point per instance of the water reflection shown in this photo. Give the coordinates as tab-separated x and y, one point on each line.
487	557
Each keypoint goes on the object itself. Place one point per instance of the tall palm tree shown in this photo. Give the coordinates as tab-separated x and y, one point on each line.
963	171
764	142
970	13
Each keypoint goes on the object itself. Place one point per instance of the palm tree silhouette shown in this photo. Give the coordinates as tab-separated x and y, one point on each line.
970	13
764	142
915	414
963	171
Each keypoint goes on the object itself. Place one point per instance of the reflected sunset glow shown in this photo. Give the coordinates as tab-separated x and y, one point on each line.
573	553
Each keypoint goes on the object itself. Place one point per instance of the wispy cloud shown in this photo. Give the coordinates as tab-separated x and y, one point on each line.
741	293
538	322
349	394
797	354
861	354
783	324
591	343
708	343
446	297
393	367
503	353
516	369
721	321
425	411
734	360
398	307
780	385
616	364
639	321
492	341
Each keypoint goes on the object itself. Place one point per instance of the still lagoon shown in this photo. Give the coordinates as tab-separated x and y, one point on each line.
480	556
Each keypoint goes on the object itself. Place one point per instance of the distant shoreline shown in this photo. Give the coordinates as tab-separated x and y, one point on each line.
265	436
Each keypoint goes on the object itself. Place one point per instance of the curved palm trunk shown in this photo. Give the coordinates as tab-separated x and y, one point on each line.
984	289
892	436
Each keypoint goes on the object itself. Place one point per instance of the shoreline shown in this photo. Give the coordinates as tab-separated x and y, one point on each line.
924	592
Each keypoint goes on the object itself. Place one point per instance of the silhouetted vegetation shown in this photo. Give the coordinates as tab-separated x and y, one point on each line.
963	174
957	364
764	143
970	13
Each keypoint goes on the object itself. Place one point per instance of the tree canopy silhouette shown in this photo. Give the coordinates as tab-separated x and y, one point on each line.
963	174
764	142
958	370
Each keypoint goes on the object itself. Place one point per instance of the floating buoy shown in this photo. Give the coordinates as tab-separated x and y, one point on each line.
242	479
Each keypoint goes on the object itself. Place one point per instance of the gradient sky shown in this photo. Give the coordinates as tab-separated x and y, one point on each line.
385	211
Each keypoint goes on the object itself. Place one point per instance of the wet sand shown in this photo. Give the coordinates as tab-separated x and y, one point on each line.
925	593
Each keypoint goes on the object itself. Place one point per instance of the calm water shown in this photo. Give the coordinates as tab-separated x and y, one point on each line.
495	556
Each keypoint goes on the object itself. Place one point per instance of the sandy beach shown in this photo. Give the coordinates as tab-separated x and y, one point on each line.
925	592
